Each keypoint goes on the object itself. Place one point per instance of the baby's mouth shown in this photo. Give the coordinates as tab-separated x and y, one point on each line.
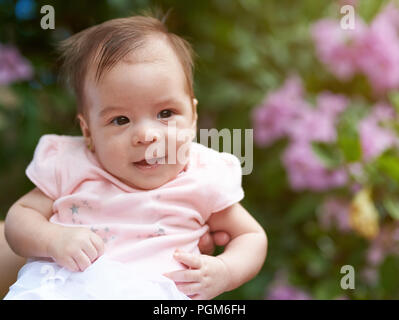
149	163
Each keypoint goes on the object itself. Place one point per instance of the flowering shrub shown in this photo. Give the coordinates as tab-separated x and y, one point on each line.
13	67
344	147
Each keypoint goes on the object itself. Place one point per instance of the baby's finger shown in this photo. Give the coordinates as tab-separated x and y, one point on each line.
82	260
98	243
90	250
221	238
190	260
70	264
184	275
206	244
189	288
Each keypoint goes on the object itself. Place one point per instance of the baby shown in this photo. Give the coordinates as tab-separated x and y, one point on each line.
118	213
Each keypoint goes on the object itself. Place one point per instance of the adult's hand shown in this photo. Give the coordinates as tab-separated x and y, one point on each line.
208	241
10	264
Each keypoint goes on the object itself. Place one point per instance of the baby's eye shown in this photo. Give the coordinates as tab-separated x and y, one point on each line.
165	114
119	121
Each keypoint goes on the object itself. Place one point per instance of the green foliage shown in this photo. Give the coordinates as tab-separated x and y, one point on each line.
392	206
329	154
369	8
245	49
348	137
389	281
389	165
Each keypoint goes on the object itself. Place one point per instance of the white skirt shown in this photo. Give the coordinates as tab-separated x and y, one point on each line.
103	280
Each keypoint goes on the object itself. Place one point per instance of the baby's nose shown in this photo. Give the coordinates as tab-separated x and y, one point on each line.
145	136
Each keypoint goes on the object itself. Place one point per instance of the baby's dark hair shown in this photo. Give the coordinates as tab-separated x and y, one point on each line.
106	44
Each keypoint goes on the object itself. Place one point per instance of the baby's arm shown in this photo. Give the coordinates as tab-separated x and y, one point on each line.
26	227
245	254
242	259
30	234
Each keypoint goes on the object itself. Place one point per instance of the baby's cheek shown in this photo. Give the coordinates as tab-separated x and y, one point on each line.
183	153
111	154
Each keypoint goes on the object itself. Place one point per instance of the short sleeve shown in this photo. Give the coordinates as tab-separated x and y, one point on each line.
225	176
42	170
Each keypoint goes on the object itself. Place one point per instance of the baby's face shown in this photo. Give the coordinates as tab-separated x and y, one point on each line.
130	110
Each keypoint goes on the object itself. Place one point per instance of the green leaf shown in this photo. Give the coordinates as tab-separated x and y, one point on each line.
368	9
394	99
349	144
392	207
328	289
303	209
389	165
327	153
388	275
348	139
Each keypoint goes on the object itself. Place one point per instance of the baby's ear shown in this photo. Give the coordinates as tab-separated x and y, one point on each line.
83	126
86	132
195	115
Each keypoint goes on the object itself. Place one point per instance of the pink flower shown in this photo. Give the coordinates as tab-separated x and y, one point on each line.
285	113
272	118
374	138
310	125
348	2
13	67
287	292
378	53
370	275
371	50
335	212
383	112
385	243
305	170
331	104
318	124
336	47
280	289
375	255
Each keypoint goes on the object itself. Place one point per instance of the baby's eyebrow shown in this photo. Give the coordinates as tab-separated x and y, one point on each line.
164	102
109	109
169	101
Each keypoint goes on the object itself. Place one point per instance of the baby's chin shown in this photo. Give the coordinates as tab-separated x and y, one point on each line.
147	184
151	182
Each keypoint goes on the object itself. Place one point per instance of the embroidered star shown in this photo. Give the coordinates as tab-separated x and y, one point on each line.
74	209
94	230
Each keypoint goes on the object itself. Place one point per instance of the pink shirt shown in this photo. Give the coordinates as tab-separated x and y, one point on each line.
139	227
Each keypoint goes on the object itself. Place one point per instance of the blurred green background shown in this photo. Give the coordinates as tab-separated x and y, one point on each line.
245	50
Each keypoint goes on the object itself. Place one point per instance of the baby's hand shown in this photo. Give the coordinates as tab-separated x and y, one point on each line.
206	278
75	248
